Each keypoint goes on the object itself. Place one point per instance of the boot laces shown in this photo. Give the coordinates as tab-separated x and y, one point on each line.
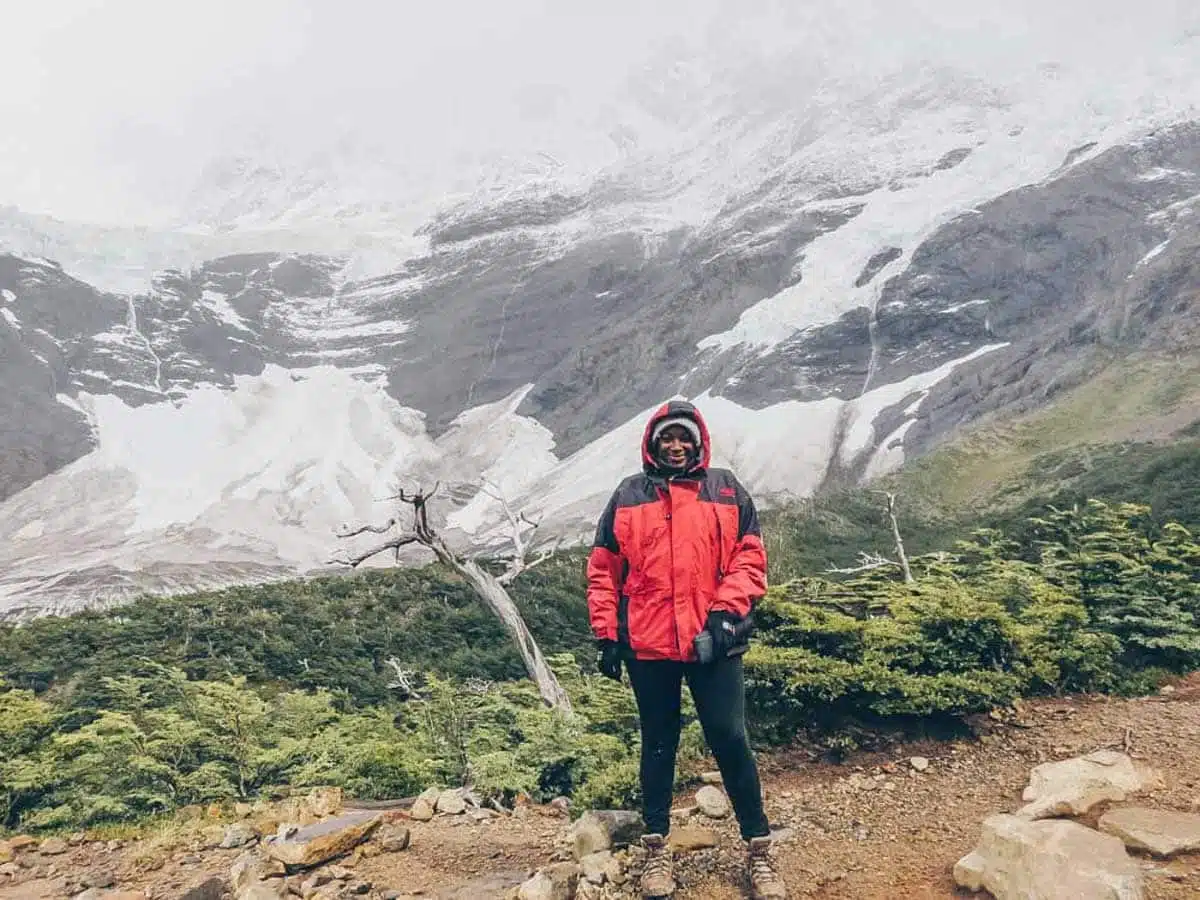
762	870
658	862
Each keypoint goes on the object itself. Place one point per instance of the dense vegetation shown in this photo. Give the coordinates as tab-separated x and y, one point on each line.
235	694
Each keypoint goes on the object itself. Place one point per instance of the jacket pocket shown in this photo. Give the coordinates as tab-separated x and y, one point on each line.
651	618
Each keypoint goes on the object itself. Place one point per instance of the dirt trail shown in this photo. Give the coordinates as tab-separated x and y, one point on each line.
871	829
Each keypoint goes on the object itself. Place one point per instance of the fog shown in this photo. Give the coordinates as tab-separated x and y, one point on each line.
110	109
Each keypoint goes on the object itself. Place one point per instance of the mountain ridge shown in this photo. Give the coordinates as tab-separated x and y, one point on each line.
553	322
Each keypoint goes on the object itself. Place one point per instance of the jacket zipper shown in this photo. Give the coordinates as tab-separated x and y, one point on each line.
671	542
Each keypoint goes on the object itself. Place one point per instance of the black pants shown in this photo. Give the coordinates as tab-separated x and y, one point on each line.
719	692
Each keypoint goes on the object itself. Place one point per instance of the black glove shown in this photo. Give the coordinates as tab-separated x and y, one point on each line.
723	628
610	660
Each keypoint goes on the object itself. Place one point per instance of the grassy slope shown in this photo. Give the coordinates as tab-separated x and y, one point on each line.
1148	401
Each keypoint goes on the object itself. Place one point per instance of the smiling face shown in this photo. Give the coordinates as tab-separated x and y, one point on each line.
676	447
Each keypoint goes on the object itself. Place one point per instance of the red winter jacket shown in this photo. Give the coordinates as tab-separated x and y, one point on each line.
668	551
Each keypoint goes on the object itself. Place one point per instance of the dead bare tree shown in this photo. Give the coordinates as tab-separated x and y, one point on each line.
402	679
489	588
868	562
900	554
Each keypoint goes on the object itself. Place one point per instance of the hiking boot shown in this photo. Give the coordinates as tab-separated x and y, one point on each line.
658	877
765	883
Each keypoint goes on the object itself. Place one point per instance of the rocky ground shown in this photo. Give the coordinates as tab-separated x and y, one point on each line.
884	825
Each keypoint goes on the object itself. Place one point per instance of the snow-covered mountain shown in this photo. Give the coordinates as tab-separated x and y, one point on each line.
840	286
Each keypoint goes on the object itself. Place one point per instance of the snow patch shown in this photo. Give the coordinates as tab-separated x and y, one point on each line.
1157	251
860	431
219	305
957	307
7	296
507	453
11	318
890	454
320	441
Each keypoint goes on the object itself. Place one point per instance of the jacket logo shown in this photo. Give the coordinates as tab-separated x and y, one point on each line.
727	492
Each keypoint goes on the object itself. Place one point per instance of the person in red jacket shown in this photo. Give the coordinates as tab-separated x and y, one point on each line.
678	554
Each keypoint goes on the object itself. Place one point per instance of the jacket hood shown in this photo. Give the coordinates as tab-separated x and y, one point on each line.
668	410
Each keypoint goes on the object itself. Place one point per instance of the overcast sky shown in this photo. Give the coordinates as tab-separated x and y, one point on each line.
107	107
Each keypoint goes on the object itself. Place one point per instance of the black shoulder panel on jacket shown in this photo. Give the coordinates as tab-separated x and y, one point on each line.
722	486
636	490
719	487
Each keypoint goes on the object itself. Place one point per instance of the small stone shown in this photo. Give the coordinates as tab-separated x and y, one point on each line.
554	882
53	847
425	805
451	802
325	840
712	802
594	865
238	835
1163	833
422	809
393	838
324	801
604	829
250	868
208	887
1043	860
99	880
1075	786
687	838
712	778
614	870
920	763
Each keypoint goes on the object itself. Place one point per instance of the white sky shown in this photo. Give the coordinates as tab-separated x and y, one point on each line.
108	108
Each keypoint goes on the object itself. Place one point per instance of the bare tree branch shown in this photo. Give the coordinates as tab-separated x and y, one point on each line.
511	573
517	563
347	531
867	562
356	560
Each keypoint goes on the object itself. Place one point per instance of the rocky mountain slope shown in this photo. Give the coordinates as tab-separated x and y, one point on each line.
833	311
